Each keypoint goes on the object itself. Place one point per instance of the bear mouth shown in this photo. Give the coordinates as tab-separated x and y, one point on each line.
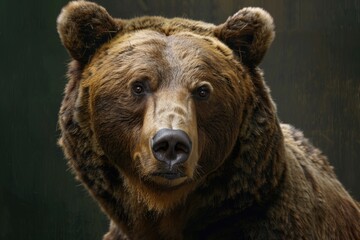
168	180
169	175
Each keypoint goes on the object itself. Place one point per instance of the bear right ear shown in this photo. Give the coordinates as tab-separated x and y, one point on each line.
83	27
249	33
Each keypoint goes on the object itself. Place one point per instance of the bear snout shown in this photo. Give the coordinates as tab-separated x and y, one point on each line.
171	147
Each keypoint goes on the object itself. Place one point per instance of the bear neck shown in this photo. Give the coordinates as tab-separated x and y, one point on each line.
260	161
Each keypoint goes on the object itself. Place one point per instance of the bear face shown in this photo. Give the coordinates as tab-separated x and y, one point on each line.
143	94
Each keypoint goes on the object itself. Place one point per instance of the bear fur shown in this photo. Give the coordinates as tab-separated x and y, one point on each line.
245	175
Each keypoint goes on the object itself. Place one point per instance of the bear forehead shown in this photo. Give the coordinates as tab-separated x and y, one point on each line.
151	52
148	41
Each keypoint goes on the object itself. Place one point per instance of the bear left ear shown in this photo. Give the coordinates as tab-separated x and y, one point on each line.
83	27
249	33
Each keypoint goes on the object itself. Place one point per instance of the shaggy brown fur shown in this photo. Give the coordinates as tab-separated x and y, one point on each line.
246	175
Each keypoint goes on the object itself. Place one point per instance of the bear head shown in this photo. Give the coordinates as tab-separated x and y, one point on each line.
154	105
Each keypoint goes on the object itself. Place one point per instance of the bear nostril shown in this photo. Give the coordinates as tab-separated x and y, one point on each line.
179	147
171	146
160	146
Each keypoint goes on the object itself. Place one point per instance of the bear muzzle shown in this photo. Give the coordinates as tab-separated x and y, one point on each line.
167	150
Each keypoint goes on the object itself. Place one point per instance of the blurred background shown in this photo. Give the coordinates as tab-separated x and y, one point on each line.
312	68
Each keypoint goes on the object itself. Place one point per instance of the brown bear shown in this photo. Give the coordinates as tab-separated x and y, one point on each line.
170	126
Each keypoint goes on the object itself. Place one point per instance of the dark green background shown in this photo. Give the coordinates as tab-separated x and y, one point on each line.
313	69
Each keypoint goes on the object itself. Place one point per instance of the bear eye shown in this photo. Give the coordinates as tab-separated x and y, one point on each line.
203	92
138	89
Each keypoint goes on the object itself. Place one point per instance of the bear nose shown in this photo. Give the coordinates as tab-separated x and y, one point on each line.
171	146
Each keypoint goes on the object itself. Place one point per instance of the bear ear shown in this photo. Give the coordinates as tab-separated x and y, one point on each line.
248	33
83	27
